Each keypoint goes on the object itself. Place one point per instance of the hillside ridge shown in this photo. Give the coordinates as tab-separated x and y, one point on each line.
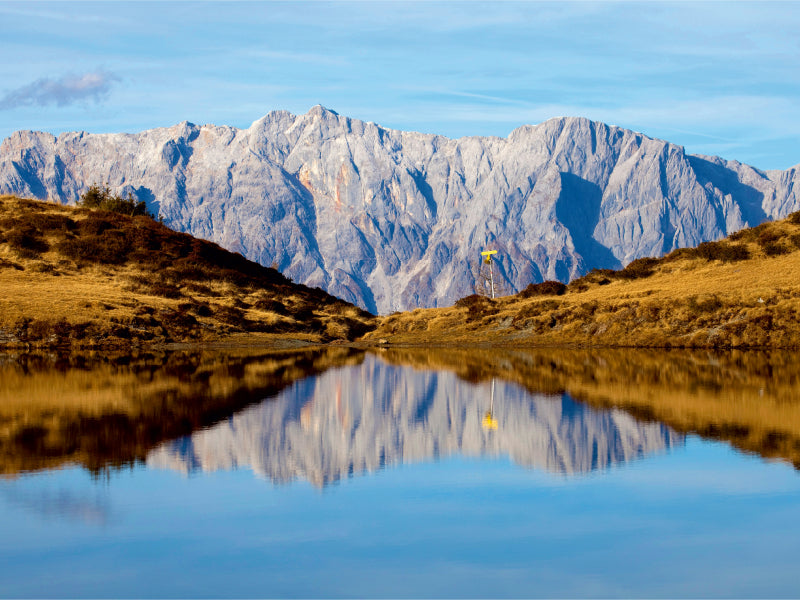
740	292
82	277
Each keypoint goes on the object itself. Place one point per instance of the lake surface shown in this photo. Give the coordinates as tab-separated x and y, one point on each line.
338	473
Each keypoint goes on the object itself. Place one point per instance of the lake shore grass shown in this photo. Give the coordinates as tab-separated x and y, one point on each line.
742	292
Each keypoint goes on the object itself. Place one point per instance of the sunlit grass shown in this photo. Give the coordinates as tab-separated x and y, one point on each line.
683	300
79	277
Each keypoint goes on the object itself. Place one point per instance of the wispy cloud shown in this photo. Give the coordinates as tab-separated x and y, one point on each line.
62	91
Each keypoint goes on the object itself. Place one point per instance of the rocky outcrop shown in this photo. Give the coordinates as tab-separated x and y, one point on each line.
360	419
395	220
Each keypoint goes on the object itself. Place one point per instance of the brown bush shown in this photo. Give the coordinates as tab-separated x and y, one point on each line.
697	307
199	288
176	320
794	218
742	234
795	238
545	288
638	269
165	290
597	276
273	306
534	310
26	241
230	315
477	306
774	248
768	235
94	225
721	251
110	247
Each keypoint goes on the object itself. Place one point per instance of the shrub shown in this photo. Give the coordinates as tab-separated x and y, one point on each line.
546	288
638	269
768	235
599	276
26	241
477	306
94	225
794	218
795	238
742	234
230	315
273	306
165	290
48	222
704	306
102	198
111	247
722	251
774	248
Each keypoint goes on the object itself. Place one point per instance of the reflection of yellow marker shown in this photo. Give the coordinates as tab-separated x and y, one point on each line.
489	422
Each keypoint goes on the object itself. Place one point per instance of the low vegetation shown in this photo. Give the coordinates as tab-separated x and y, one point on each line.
743	291
98	277
103	199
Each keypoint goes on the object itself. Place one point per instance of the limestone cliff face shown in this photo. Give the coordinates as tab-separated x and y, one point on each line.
394	220
360	419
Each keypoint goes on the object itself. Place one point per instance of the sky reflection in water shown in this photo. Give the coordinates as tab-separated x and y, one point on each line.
380	480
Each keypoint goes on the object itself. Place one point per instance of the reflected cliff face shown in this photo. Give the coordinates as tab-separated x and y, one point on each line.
104	411
325	414
362	418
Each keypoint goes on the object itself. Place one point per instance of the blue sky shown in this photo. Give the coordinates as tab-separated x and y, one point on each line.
720	78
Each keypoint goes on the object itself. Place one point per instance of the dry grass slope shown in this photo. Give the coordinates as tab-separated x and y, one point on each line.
742	292
81	277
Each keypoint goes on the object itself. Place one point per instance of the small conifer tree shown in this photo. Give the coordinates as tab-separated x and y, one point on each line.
101	198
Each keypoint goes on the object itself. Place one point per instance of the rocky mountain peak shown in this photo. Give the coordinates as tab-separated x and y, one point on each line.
394	220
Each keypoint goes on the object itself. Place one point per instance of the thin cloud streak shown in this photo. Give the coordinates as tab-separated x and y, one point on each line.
64	91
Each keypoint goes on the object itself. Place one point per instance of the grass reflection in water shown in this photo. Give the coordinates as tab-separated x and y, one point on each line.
106	412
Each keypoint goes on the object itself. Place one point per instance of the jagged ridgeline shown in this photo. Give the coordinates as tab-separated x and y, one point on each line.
394	220
78	276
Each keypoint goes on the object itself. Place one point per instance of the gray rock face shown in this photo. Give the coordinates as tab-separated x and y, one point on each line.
360	419
394	220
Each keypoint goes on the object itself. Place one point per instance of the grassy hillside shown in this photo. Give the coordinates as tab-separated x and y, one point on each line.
740	292
81	277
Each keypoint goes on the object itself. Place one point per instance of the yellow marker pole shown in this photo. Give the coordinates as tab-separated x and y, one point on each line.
488	259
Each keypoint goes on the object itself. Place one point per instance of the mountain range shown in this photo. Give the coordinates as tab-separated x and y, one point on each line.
393	220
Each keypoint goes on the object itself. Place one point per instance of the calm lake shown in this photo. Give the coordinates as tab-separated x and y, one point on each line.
402	473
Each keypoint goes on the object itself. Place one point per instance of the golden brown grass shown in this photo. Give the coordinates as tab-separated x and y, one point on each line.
79	277
682	300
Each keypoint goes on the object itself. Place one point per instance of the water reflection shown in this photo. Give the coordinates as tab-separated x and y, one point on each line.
359	419
334	412
60	504
105	411
750	399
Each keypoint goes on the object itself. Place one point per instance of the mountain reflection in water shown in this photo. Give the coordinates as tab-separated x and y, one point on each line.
327	413
361	418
